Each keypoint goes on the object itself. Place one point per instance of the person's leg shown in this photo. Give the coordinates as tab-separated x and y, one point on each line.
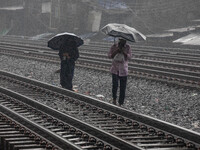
114	87
69	75
123	82
63	74
68	82
72	69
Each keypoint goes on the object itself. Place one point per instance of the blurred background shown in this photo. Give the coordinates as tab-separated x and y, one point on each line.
87	17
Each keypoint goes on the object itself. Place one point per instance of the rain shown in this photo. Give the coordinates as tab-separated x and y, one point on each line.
42	18
163	22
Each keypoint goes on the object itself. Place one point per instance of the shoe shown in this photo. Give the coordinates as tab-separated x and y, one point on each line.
57	71
114	102
120	105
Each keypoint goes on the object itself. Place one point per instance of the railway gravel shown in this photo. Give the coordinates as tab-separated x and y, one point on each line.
169	103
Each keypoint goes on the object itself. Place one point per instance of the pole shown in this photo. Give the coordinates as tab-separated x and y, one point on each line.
50	15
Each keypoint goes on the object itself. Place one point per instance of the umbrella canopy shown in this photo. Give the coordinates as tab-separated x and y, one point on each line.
123	31
56	41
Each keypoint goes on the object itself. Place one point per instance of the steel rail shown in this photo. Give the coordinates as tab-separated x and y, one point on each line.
13	133
105	45
137	58
187	75
191	80
122	114
188	58
53	137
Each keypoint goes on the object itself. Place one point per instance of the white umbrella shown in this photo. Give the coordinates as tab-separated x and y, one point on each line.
123	31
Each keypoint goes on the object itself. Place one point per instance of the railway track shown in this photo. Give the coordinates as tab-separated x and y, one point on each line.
93	55
176	54
140	53
113	126
182	74
66	135
13	136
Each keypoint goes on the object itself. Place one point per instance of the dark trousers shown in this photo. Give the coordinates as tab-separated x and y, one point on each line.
123	82
67	73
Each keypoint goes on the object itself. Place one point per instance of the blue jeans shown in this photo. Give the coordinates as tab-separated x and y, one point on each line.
67	73
123	82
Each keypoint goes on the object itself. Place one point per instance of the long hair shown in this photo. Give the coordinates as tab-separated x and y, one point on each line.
121	43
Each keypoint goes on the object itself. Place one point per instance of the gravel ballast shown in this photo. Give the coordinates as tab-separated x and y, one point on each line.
172	104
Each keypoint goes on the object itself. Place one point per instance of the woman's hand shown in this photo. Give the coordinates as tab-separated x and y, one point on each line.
114	53
120	50
125	54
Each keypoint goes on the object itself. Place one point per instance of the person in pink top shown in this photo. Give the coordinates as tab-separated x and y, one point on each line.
120	53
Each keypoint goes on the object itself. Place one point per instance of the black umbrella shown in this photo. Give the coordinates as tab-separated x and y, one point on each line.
123	31
56	41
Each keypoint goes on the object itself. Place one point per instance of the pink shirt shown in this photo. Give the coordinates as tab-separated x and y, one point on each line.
120	68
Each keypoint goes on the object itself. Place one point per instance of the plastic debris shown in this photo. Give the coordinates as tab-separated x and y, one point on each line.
194	94
87	93
100	96
156	100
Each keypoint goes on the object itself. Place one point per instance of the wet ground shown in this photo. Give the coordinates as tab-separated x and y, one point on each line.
172	104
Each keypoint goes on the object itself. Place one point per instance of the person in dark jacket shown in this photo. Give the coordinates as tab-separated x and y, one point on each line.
68	53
